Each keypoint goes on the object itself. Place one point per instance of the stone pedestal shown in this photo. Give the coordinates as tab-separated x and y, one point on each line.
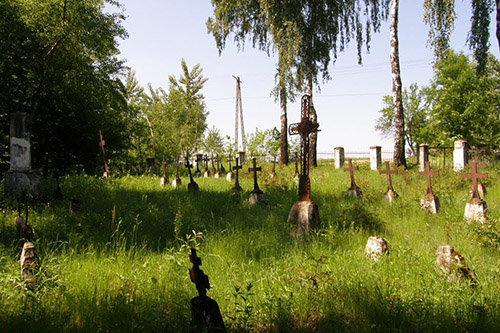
303	216
176	183
206	173
390	195
229	176
205	315
236	191
430	203
21	179
476	210
423	156
375	247
355	192
163	181
375	157
256	198
193	187
217	174
339	157
460	155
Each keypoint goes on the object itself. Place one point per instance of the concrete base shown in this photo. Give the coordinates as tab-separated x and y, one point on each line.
375	247
229	176
22	182
217	174
197	174
303	216
430	203
272	174
256	198
176	183
236	191
193	187
163	181
355	192
476	210
390	196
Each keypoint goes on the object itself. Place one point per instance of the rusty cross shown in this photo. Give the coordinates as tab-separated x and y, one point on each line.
304	128
388	172
101	144
199	160
254	170
189	166
196	274
206	159
427	173
229	160
237	167
476	176
351	170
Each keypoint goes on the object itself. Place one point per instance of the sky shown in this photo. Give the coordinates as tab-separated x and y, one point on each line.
162	32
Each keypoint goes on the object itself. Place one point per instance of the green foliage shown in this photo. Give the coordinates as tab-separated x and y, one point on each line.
214	142
264	143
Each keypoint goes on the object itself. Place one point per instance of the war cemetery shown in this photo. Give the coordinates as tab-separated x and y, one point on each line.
123	208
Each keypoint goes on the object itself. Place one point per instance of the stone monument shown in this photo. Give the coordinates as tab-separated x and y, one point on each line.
304	214
375	157
375	247
453	264
476	209
339	157
429	202
21	178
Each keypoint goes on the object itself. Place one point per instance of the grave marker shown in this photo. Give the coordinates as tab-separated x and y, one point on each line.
164	178
229	175
206	172
476	209
453	264
192	186
256	196
375	247
390	195
304	214
205	312
354	191
429	202
236	189
177	180
339	157
375	157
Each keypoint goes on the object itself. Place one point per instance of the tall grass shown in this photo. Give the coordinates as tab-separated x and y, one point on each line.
120	263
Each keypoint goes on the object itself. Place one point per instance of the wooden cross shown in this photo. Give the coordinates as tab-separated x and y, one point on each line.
254	170
351	170
427	173
304	128
237	167
388	172
475	175
189	166
101	144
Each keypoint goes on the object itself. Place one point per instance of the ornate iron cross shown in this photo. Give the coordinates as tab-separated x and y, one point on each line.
254	170
236	168
101	144
351	170
475	175
427	173
388	172
304	128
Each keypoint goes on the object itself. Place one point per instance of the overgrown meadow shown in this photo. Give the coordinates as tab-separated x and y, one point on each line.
120	263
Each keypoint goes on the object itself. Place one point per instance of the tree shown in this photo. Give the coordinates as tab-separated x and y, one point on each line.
465	102
214	142
416	116
307	34
399	125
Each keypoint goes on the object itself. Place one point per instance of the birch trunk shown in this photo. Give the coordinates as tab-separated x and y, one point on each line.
284	123
313	137
399	138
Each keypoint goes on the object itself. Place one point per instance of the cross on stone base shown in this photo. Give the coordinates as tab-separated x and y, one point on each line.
256	196
236	189
192	186
354	191
476	209
390	194
177	180
429	202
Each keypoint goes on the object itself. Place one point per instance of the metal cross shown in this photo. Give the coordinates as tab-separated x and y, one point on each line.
101	144
475	175
427	173
230	159
254	170
196	274
388	172
206	159
304	128
237	167
189	166
351	170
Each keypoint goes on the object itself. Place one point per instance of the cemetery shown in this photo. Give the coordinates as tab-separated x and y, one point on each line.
123	211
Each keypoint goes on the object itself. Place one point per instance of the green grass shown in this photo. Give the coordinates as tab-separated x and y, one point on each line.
121	262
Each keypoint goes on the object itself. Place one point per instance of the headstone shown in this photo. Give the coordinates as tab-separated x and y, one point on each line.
338	156
256	196
273	171
28	264
164	178
390	195
423	158
102	143
205	312
192	186
453	264
236	189
476	209
21	179
176	182
199	161
354	191
206	172
460	155
375	247
375	157
229	175
304	214
430	202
